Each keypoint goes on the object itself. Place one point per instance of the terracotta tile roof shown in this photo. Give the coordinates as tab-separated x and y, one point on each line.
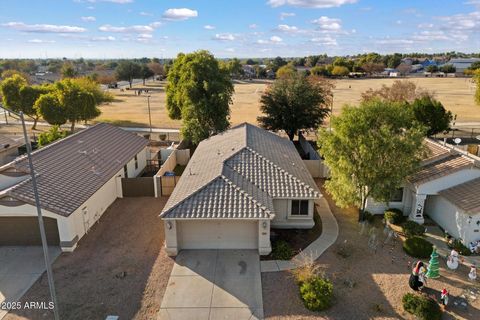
435	150
466	196
441	168
71	170
257	164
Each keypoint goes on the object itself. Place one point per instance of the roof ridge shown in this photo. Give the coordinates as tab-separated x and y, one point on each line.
281	169
246	194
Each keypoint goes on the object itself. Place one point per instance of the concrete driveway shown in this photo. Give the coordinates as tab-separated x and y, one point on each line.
214	284
20	267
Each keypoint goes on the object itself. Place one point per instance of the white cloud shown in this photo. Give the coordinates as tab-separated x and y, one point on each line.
327	41
146	14
284	15
208	27
261	41
310	3
43	28
286	28
179	14
253	26
40	41
230	50
463	21
328	24
389	41
425	25
224	37
109	38
145	36
89	19
129	29
430	36
276	39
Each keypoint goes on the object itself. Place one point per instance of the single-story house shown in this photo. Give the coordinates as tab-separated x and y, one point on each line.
9	148
462	64
236	186
446	188
78	178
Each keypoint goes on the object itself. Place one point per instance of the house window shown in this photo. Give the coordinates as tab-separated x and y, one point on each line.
299	208
397	195
136	162
125	171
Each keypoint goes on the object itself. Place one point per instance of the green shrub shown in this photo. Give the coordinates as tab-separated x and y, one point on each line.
417	247
54	133
282	250
459	247
411	228
425	308
394	216
317	293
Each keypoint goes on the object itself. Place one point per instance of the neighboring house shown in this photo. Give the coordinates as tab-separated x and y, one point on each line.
9	148
78	178
236	186
446	188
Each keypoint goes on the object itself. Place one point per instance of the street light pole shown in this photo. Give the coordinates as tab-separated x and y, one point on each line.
51	284
149	116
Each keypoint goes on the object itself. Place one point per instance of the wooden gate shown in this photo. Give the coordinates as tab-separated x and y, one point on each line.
138	187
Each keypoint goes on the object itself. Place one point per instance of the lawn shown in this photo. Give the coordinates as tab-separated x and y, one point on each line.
119	268
367	284
131	110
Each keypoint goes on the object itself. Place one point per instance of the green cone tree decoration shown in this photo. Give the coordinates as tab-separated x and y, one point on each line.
432	270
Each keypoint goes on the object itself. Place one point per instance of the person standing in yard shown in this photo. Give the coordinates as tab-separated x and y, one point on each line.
415	277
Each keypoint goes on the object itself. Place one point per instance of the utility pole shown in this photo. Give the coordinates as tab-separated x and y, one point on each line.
51	284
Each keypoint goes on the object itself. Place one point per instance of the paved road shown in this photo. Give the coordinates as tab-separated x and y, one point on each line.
20	267
214	284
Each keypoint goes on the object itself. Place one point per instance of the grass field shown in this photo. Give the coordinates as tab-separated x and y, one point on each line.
131	110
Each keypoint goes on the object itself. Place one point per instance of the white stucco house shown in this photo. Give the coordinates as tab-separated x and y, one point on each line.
238	185
446	188
78	178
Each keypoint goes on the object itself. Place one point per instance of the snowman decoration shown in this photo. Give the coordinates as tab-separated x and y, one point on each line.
472	275
452	261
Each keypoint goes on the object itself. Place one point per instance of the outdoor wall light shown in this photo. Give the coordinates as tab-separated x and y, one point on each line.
169	225
264	224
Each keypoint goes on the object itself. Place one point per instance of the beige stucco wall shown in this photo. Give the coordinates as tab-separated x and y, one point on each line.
284	220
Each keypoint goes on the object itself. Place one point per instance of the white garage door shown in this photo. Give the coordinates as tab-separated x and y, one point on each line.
217	234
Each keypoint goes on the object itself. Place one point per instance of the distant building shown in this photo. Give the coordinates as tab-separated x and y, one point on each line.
461	64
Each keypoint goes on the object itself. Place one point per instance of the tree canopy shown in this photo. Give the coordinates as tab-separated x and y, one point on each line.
432	114
295	103
199	93
370	151
127	71
477	92
400	91
340	71
146	72
286	71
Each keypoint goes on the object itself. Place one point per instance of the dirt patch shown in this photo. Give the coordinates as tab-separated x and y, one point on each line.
119	268
367	284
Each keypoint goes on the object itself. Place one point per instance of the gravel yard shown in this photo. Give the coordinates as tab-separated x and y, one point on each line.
119	267
367	285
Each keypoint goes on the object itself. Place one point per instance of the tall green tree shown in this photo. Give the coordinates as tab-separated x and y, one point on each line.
68	70
370	151
477	92
50	108
127	71
18	96
146	73
432	114
199	93
295	103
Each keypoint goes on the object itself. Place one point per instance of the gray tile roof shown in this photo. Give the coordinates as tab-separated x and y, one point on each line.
71	170
466	196
257	164
435	151
440	168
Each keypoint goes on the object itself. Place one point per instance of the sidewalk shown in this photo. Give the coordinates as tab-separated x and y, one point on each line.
316	248
436	236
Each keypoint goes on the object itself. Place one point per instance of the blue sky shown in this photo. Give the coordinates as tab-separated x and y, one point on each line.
247	28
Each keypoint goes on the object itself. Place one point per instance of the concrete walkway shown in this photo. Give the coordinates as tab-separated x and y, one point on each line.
436	236
20	267
316	248
214	284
